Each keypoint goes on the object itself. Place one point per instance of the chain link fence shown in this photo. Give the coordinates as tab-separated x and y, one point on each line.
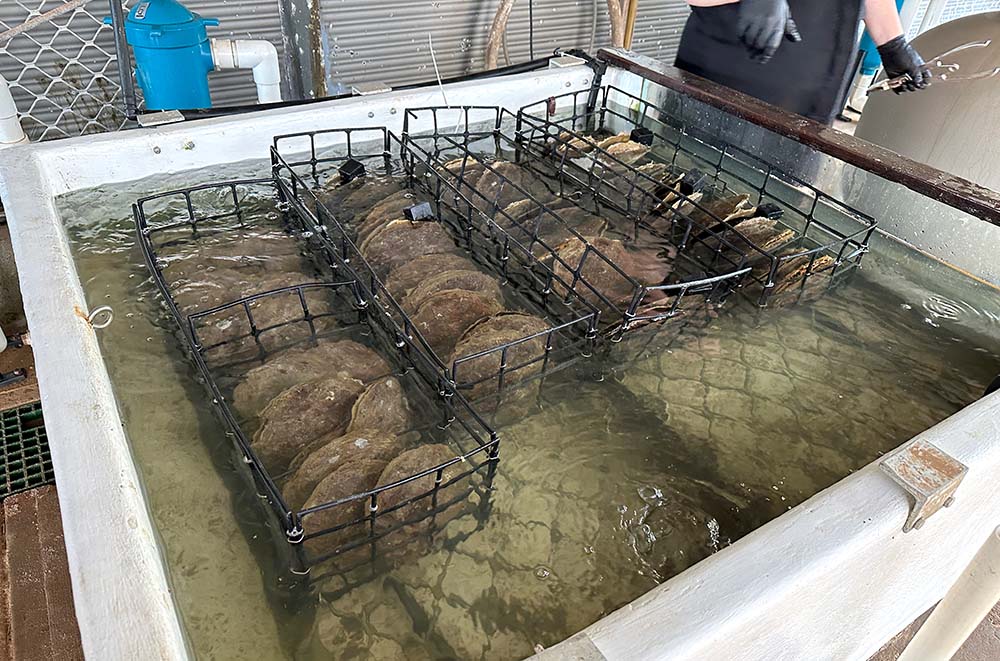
62	73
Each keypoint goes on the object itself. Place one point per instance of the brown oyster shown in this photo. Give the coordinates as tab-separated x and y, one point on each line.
790	274
359	195
280	320
494	332
428	507
302	413
765	234
401	241
627	152
443	317
335	454
407	277
354	478
389	209
467	280
381	406
294	366
647	266
498	187
606	143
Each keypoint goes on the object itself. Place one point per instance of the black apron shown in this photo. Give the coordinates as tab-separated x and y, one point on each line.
808	78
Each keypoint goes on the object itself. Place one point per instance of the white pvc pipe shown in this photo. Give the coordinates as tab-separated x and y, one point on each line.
964	606
11	132
256	54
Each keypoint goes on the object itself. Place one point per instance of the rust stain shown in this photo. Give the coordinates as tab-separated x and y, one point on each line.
81	313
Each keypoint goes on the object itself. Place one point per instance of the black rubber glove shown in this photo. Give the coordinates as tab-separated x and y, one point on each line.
899	58
762	24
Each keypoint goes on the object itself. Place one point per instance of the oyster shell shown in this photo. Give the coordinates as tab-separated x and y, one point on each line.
302	413
469	176
725	209
335	454
260	252
389	209
359	195
417	514
493	332
620	138
764	233
498	187
406	277
382	408
467	280
294	366
571	146
401	241
627	152
354	478
648	266
280	321
442	317
222	286
791	272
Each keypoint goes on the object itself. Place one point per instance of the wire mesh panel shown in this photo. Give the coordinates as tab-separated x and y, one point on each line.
62	73
300	367
634	271
531	332
614	144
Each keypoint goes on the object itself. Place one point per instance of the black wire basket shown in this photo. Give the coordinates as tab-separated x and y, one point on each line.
638	274
797	231
308	166
380	520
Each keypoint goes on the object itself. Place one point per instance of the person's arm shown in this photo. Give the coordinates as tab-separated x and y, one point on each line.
882	21
898	56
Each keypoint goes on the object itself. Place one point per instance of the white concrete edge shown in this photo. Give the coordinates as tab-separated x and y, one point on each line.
833	578
122	595
120	583
89	161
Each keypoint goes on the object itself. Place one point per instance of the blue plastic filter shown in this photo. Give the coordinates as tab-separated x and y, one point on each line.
173	56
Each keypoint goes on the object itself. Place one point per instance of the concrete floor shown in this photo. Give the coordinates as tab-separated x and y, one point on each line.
983	644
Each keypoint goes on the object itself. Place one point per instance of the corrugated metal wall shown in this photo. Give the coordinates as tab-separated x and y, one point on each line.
388	40
65	82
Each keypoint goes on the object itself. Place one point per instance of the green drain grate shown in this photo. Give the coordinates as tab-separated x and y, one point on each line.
25	462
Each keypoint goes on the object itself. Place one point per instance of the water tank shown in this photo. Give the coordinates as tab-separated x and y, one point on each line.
952	126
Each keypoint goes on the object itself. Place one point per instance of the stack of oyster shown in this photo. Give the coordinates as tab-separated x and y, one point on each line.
327	416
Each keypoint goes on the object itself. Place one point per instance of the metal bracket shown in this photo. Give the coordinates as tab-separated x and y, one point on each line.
564	60
370	87
159	118
928	474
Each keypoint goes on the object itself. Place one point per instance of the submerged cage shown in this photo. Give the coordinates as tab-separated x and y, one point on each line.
471	140
309	167
812	233
347	531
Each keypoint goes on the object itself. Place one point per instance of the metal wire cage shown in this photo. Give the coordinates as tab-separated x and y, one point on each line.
306	164
825	237
373	522
470	140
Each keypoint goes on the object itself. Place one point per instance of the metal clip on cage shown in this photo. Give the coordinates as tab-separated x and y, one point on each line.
304	163
828	237
476	445
481	138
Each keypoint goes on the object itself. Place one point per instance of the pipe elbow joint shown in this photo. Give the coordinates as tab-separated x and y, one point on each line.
259	56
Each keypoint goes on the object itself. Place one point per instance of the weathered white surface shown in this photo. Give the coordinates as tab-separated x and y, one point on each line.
70	164
115	566
121	588
833	578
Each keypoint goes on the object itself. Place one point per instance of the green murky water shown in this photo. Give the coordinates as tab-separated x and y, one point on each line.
631	471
